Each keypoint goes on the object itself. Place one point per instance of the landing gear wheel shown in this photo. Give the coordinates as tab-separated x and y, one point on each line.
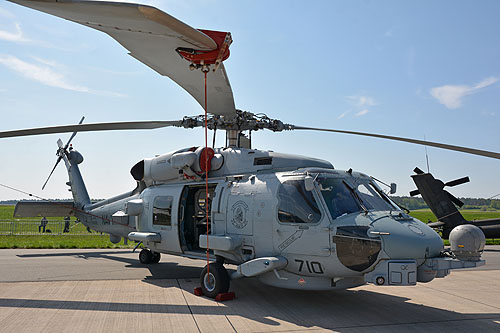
216	282
155	258
145	256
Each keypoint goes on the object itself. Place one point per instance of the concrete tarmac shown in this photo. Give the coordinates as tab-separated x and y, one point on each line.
109	290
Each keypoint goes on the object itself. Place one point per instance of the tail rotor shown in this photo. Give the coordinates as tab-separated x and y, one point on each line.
440	185
61	151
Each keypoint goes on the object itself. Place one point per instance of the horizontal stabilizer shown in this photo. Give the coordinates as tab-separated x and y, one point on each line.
43	208
436	224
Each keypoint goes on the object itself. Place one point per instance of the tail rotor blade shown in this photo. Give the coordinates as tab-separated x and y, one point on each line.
414	193
55	166
59	143
457	182
73	135
418	171
454	199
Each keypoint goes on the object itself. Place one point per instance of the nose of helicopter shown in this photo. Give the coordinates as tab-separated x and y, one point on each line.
407	238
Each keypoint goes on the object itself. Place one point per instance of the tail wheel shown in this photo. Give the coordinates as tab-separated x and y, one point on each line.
155	257
215	282
145	256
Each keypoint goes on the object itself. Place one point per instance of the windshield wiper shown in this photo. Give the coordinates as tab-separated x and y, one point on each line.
356	197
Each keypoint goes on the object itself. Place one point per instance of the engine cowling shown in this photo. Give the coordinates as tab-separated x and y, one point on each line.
178	165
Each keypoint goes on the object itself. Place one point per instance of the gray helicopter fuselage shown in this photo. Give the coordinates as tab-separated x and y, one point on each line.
342	232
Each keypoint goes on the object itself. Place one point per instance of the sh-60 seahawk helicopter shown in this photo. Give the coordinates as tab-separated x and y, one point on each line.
292	221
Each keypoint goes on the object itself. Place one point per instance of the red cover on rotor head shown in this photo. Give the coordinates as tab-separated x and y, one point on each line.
208	57
206	161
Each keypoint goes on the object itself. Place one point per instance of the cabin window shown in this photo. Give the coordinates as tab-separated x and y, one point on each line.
296	205
162	210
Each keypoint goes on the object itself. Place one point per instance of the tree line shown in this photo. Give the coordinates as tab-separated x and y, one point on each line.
469	203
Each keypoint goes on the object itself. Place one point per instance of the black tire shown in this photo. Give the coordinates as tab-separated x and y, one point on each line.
145	256
155	257
219	280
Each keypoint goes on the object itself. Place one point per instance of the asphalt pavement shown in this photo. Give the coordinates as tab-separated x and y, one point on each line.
109	290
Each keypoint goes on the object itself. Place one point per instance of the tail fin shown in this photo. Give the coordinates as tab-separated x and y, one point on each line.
440	201
80	194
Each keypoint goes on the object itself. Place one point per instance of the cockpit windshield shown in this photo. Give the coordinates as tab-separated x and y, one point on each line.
349	195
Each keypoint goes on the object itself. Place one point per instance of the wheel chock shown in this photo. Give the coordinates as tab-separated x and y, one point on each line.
225	296
222	297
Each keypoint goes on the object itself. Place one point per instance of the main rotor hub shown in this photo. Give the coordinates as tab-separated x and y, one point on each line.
242	121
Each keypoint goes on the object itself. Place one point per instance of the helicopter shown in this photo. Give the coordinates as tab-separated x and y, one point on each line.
291	221
444	205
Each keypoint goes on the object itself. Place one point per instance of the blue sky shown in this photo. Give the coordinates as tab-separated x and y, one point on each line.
415	69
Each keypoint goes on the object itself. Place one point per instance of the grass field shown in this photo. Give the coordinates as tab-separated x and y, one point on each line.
24	226
85	240
60	242
79	238
426	215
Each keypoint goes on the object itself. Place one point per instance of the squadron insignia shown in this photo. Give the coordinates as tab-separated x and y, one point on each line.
239	209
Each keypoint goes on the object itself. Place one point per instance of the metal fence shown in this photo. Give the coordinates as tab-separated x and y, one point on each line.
35	227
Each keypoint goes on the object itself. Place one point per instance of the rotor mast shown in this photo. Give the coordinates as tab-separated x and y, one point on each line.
232	137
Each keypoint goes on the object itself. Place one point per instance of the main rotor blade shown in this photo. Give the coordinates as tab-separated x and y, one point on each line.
127	125
55	166
73	135
473	151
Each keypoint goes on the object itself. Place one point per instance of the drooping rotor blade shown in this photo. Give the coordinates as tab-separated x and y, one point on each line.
112	126
152	37
457	182
73	135
473	151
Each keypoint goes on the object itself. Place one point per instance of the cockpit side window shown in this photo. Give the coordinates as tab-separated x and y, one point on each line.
368	196
295	204
373	199
338	197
